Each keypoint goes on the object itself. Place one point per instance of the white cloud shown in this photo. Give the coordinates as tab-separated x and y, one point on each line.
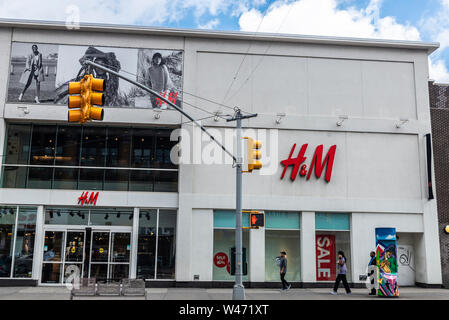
114	11
209	25
438	71
325	18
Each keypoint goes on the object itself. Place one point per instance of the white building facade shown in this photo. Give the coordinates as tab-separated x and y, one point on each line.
364	102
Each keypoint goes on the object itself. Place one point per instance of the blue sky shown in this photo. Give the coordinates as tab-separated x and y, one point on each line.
425	20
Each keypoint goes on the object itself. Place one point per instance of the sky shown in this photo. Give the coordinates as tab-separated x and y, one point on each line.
422	20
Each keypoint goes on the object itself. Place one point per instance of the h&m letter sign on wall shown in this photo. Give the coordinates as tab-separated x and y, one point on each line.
317	163
86	199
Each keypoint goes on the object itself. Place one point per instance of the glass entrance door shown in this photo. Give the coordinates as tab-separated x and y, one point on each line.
101	254
62	248
109	255
52	260
74	252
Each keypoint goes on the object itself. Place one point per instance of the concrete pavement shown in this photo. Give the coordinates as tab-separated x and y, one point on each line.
61	293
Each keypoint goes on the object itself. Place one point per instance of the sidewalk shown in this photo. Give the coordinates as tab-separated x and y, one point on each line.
61	293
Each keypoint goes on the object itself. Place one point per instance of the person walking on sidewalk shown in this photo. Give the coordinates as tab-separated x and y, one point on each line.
372	263
341	274
283	271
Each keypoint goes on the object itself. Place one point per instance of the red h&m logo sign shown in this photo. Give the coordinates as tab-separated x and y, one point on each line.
85	199
317	162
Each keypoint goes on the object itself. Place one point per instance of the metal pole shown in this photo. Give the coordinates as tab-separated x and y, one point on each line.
99	66
238	292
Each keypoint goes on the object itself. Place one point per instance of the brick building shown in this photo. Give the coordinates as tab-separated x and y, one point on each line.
439	113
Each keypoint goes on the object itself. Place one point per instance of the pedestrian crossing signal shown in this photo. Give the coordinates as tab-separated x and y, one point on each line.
257	219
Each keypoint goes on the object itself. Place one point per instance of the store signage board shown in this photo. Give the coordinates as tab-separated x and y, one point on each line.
87	198
221	260
317	164
325	258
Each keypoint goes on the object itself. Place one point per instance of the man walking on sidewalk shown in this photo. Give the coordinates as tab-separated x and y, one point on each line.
371	265
283	266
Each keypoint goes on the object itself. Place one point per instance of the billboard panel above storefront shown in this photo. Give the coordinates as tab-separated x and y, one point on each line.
40	73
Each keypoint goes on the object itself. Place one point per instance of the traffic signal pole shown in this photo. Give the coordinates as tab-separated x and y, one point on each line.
238	290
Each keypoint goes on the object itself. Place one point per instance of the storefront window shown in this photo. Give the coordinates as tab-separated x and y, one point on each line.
332	235
282	233
93	147
224	241
18	146
17	231
275	242
68	146
65	151
116	180
24	246
14	177
39	178
157	244
7	229
17	152
65	178
143	180
165	181
91	179
166	244
143	148
146	248
118	147
163	148
43	145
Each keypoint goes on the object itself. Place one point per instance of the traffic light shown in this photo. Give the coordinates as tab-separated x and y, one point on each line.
254	154
82	105
257	219
244	263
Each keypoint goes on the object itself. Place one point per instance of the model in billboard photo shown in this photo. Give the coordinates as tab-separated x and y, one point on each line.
160	70
159	79
32	65
33	71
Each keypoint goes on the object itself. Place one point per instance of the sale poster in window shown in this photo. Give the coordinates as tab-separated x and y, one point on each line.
325	258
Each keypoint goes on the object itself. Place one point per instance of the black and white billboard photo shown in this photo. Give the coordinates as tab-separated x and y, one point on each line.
32	72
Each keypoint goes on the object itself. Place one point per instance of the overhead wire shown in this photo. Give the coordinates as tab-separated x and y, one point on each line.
246	54
188	93
263	55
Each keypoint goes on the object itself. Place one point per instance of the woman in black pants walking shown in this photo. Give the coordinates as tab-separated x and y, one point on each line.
341	274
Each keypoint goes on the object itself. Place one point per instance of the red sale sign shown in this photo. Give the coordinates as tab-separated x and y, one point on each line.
325	258
221	260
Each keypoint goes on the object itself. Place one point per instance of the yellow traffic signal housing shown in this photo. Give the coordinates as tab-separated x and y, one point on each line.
256	219
83	104
254	154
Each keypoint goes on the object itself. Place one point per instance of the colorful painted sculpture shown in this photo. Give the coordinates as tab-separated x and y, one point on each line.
387	264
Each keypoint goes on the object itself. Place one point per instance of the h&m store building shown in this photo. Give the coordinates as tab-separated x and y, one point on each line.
106	197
